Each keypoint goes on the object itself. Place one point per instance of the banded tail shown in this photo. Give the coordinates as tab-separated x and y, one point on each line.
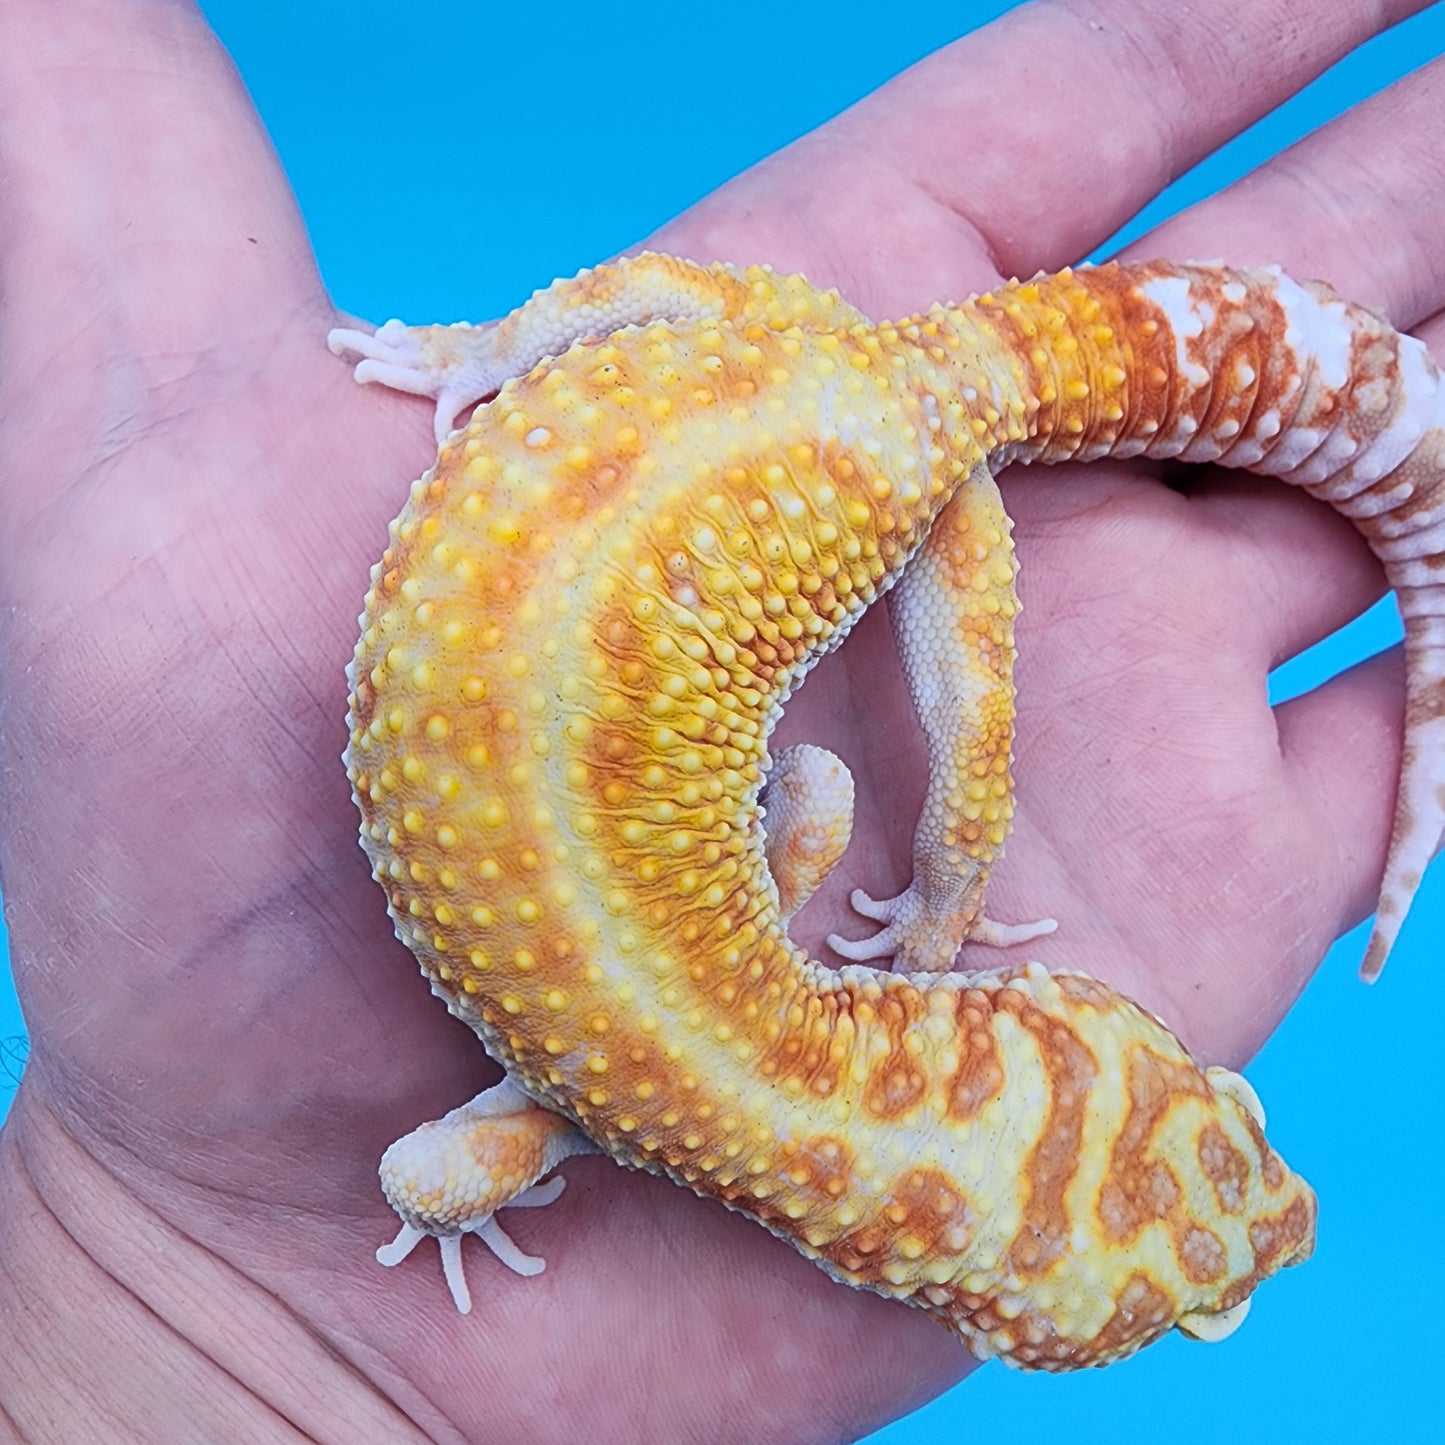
1248	368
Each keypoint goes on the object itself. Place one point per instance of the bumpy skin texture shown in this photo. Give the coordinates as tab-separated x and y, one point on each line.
582	632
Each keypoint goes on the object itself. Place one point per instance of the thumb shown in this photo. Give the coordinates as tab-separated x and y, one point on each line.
145	218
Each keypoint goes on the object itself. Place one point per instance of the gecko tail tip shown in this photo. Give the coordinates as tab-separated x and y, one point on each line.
1382	943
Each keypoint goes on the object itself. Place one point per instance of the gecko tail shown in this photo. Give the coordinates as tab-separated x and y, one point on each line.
1419	827
1402	516
1366	434
1353	412
1252	369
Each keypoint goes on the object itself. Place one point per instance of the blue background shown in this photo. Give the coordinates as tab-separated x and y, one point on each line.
451	157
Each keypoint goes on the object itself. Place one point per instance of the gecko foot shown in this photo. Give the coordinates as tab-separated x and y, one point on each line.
450	364
924	937
488	1231
449	1178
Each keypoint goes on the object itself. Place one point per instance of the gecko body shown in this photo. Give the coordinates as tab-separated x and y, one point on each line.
691	482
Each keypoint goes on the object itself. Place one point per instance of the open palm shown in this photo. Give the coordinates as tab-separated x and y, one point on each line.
225	1034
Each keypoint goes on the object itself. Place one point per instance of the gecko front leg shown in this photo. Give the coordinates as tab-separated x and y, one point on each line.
448	1178
808	804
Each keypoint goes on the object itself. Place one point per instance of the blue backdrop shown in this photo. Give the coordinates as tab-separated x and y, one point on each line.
378	109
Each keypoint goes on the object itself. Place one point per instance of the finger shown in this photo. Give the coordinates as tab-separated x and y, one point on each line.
1360	204
145	215
949	176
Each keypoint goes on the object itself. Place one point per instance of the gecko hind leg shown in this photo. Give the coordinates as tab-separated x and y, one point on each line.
455	366
448	1178
952	614
459	365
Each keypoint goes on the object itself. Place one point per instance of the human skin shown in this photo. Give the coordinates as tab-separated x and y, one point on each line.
226	1035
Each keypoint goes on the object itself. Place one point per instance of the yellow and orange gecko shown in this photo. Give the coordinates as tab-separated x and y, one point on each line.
691	482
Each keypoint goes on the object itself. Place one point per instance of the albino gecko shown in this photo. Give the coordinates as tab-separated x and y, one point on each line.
691	483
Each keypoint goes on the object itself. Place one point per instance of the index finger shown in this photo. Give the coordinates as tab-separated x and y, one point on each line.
1021	146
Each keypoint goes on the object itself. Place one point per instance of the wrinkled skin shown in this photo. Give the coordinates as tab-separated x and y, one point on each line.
225	1032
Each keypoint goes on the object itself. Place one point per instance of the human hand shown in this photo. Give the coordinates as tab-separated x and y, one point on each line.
225	1033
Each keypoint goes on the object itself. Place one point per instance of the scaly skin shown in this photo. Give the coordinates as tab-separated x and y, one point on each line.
580	637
